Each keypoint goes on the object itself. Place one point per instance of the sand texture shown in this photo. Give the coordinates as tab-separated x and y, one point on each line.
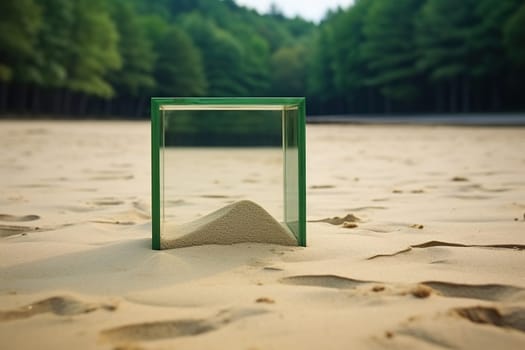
240	222
416	240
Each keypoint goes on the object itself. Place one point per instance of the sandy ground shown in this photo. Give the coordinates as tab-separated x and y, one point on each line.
432	258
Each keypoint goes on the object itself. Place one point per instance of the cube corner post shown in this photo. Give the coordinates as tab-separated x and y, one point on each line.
260	121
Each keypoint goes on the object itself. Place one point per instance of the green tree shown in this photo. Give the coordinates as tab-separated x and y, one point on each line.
222	56
490	66
20	21
178	69
390	48
94	50
289	71
53	42
446	39
350	65
136	51
256	65
322	73
514	37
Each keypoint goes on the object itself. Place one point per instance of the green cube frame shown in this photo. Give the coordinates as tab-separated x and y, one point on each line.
294	150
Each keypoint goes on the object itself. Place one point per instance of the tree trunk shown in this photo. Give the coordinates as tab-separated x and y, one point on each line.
57	101
22	99
107	110
495	100
387	105
466	94
141	106
67	102
36	100
3	97
436	98
82	104
365	108
453	95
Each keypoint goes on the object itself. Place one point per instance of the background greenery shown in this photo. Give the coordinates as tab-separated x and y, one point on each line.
223	128
107	57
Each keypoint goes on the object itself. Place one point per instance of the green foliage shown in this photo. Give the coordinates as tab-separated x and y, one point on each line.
399	55
389	47
444	27
322	66
406	49
225	128
514	37
350	64
178	70
53	43
289	71
135	49
131	48
20	20
95	52
222	55
236	63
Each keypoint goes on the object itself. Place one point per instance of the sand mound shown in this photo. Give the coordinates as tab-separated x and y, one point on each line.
239	222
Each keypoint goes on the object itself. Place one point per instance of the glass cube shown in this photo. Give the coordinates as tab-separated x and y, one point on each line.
209	152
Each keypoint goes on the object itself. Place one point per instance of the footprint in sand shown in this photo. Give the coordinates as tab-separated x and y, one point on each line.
489	292
376	207
470	197
12	230
336	220
111	177
459	179
321	187
77	208
345	283
326	281
15	218
432	244
214	196
176	202
152	331
35	186
272	269
142	207
472	327
130	217
505	318
59	305
481	188
113	222
107	202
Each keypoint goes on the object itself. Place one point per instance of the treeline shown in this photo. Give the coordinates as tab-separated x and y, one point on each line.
107	57
421	56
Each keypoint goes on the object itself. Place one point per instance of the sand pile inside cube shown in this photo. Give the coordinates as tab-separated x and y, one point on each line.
240	222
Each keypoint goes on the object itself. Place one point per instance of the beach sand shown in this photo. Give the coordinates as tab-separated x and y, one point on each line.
416	240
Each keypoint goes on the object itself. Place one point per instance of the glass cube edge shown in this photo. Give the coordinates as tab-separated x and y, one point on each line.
157	104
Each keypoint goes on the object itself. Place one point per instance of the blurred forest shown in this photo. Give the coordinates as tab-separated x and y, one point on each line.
108	57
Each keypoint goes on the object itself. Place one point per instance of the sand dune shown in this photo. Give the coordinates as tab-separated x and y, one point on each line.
240	222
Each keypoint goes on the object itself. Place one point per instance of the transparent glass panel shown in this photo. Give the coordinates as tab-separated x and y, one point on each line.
291	164
215	158
209	153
